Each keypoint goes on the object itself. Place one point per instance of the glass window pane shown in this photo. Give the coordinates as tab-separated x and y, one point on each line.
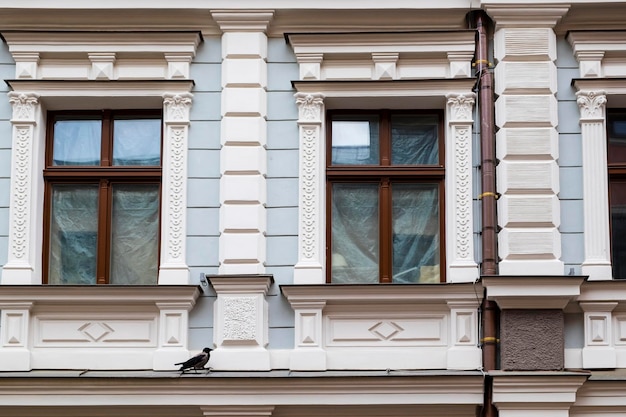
355	253
617	191
76	142
617	139
355	140
415	233
134	234
137	142
414	140
73	234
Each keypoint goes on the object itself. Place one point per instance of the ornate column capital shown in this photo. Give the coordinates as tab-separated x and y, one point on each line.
24	105
176	107
461	106
310	107
591	104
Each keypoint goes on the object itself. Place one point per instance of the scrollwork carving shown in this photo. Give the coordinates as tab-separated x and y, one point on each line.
24	105
310	107
591	104
461	106
177	107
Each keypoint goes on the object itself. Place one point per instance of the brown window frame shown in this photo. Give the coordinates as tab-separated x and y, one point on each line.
105	175
616	174
385	174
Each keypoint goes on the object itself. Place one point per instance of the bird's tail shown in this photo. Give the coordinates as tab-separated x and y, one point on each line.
179	363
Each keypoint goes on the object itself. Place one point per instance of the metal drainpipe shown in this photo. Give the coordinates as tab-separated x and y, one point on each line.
488	198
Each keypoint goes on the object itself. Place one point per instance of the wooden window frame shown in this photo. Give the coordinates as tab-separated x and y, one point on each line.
616	171
385	174
105	175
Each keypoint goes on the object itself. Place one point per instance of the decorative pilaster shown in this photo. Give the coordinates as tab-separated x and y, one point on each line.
526	114
21	261
459	219
599	351
173	320
241	322
311	228
464	352
243	163
14	336
308	353
597	263
173	268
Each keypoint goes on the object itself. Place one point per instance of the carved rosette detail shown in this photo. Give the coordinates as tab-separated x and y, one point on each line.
591	104
240	318
175	195
24	105
310	107
176	109
463	167
461	106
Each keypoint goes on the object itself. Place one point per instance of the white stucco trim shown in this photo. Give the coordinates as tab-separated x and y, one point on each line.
97	327
453	95
30	99
594	95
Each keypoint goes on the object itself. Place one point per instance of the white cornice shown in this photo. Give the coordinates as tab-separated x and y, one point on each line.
402	42
98	295
532	292
404	88
523	390
120	42
240	20
168	389
424	293
241	284
532	14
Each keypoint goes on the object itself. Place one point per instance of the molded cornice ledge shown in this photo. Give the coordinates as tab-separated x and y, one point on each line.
102	295
526	15
243	20
424	293
521	392
241	284
536	292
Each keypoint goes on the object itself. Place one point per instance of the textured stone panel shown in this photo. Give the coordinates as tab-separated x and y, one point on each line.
528	43
512	77
529	243
529	211
527	143
532	340
526	111
528	177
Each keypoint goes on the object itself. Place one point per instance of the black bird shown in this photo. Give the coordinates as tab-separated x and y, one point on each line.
196	362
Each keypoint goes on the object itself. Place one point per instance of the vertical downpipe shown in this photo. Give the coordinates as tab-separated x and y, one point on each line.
488	200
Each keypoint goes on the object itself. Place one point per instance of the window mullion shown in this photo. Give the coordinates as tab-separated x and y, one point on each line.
103	232
107	140
385	231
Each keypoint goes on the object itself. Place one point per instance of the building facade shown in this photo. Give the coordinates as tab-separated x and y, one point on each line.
396	209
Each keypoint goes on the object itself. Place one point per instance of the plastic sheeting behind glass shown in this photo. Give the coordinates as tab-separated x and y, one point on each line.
137	142
73	234
134	234
415	241
355	256
414	140
77	142
355	140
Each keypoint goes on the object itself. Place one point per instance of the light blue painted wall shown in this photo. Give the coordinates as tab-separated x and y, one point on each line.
7	71
282	187
570	160
203	185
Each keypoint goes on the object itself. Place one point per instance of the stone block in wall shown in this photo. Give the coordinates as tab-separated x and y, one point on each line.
532	340
529	44
525	77
527	143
